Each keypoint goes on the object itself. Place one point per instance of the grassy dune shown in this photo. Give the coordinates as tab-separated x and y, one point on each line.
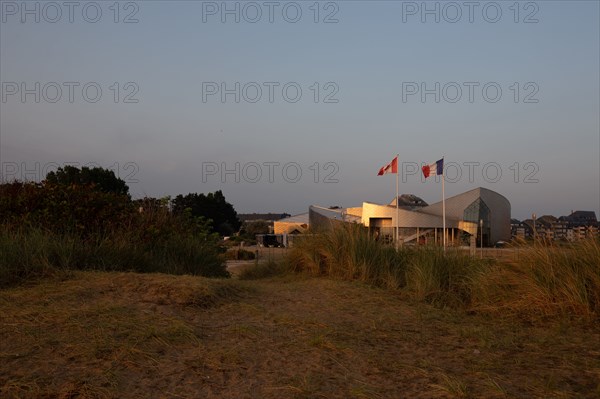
545	281
342	317
112	335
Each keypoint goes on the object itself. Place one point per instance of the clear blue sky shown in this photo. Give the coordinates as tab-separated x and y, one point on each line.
372	56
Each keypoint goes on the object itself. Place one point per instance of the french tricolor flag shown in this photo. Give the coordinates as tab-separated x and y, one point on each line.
436	168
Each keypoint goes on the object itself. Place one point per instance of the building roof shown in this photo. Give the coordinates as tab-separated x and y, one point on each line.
582	216
335	214
301	218
409	201
268	217
546	220
455	204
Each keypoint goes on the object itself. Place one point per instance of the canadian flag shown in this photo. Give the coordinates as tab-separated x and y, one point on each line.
436	168
391	167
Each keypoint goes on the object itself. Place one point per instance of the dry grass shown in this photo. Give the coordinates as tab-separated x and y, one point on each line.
260	270
78	337
428	274
564	280
30	254
143	336
544	281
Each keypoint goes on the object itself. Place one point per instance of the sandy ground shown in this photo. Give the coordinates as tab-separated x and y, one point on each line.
156	336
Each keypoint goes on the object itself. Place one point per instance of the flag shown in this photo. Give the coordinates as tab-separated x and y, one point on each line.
391	167
436	168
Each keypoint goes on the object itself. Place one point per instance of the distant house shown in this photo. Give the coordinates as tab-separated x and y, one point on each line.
521	229
576	226
581	218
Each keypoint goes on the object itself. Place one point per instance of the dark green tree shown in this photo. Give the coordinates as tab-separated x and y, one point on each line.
101	179
213	206
251	228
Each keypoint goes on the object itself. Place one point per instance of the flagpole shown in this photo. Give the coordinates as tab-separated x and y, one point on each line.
443	206
397	214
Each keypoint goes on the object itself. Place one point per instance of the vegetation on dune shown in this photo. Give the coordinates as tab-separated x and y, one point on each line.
85	219
264	270
118	335
429	274
112	333
545	281
564	280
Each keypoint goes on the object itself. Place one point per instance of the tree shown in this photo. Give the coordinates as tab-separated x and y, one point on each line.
213	206
101	179
251	228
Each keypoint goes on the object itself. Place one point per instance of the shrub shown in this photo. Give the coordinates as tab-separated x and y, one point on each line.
50	228
73	209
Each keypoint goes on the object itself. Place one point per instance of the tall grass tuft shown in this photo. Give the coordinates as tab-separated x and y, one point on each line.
348	252
428	274
450	278
546	280
563	279
33	253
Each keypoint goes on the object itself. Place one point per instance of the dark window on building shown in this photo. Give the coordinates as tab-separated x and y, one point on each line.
478	210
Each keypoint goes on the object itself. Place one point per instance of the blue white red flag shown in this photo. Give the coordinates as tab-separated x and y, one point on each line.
436	168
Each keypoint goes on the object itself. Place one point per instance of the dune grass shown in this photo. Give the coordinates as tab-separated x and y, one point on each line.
428	274
29	254
564	280
445	278
544	281
264	270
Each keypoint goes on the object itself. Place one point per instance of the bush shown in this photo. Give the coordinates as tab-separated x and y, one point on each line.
50	228
74	209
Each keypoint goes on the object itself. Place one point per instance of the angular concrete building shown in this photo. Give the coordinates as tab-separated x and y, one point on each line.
479	213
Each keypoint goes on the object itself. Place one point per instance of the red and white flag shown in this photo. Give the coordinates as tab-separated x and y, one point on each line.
391	167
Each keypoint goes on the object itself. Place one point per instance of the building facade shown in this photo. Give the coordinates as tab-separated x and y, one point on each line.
479	214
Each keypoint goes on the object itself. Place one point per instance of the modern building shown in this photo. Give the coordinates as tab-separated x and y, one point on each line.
296	224
479	214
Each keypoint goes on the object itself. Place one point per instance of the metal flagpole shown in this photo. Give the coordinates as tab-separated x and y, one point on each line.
397	221
443	205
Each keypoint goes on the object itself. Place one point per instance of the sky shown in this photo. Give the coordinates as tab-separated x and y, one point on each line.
286	104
